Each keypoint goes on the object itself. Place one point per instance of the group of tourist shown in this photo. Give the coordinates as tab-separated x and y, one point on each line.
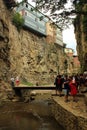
14	81
70	85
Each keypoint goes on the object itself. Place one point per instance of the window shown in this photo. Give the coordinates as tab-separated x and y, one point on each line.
25	13
26	5
36	19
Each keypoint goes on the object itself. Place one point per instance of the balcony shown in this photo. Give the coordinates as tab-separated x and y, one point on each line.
35	25
32	18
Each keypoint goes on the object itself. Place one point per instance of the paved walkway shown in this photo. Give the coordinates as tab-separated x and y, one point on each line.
78	108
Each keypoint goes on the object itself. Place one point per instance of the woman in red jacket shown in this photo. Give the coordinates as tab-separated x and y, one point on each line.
73	88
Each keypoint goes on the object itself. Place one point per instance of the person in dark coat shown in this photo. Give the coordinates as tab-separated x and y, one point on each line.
66	88
58	83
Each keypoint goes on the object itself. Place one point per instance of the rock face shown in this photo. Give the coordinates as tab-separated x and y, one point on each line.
31	57
81	37
25	54
4	40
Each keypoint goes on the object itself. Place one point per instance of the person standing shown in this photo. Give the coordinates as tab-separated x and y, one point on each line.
17	81
66	88
58	83
12	82
73	88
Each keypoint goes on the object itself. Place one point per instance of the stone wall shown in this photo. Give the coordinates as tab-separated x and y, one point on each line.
67	119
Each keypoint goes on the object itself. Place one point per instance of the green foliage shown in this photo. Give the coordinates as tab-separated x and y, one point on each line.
18	21
78	7
27	83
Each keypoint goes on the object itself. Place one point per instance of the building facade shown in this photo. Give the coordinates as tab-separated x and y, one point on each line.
33	19
39	23
76	62
73	64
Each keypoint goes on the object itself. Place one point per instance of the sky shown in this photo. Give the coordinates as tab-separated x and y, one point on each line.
68	34
69	38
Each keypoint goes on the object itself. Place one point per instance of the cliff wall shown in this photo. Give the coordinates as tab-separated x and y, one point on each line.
26	54
81	37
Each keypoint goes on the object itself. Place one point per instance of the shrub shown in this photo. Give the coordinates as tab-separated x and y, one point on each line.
18	21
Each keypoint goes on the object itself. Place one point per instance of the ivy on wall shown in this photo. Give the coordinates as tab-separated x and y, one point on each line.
18	21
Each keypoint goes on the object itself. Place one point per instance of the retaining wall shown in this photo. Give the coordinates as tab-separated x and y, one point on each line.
67	119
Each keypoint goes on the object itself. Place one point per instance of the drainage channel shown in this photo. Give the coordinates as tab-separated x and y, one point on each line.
35	115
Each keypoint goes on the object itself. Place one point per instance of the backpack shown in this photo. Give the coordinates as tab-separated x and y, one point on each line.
59	81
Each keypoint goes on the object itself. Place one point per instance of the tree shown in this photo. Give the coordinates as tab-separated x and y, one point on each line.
62	12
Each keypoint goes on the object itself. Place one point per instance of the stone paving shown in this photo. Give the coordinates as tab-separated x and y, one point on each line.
78	108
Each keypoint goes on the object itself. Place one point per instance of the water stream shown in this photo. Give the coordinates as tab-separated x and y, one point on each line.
35	115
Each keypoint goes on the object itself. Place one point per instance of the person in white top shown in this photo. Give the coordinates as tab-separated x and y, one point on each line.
12	82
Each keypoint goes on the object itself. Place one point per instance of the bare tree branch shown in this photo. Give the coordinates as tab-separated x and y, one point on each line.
62	12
